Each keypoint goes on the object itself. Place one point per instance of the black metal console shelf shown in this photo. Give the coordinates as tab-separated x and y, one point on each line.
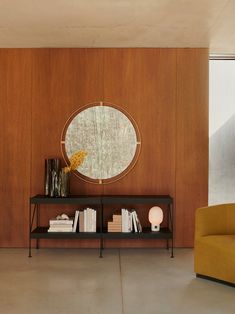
40	232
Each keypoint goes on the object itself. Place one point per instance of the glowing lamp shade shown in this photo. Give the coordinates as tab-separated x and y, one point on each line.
155	218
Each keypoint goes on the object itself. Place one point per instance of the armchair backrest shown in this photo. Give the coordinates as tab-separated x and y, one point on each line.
213	220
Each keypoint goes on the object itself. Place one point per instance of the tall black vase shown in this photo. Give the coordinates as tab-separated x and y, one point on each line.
55	175
48	169
52	175
64	183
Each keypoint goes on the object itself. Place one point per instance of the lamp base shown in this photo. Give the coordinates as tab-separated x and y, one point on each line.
155	228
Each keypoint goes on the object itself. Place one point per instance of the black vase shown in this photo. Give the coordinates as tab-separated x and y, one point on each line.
64	183
52	176
55	176
48	168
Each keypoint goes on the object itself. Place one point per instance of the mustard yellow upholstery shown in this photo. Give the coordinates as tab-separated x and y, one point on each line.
215	242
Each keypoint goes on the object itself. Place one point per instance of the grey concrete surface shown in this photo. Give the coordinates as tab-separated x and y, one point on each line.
69	281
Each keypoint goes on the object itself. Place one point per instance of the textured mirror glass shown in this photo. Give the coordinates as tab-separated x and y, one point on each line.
109	138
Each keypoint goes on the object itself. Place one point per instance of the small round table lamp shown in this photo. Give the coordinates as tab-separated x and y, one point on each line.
155	218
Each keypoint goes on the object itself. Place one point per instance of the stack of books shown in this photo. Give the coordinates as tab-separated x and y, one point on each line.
60	225
127	221
87	220
116	224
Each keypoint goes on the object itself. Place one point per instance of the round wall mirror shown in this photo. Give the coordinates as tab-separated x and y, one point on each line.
110	137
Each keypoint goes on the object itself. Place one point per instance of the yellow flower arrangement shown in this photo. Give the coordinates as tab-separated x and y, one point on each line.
75	160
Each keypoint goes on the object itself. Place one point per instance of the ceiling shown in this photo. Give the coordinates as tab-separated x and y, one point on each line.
119	23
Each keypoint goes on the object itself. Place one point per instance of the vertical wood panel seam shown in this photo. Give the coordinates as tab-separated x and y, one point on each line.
103	96
31	121
176	139
103	71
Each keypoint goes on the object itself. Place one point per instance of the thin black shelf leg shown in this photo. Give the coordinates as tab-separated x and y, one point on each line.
172	250
31	220
101	229
38	218
30	255
30	247
101	246
172	229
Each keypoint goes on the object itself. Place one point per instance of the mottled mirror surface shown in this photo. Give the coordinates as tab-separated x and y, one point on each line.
108	137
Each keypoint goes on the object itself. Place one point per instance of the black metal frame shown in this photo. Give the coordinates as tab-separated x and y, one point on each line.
166	233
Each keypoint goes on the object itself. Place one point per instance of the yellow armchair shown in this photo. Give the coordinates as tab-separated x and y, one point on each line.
214	250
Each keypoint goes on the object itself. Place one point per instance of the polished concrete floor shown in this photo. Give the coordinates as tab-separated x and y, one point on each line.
124	281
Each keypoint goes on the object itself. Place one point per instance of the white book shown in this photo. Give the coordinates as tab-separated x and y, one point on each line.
88	219
123	219
56	229
85	220
64	228
75	221
129	221
59	230
126	220
93	221
61	221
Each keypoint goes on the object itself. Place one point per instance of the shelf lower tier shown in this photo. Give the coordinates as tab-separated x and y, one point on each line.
42	233
164	233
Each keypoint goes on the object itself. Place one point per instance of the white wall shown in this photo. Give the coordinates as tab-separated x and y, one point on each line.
222	131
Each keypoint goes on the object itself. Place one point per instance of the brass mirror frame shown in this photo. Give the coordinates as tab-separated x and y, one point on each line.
133	161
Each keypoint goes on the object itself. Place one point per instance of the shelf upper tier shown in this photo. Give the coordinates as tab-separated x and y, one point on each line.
103	199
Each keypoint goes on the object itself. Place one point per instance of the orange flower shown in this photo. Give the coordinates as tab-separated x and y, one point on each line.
76	160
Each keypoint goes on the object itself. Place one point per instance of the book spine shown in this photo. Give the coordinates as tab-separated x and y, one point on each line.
123	220
85	220
75	221
81	221
94	220
134	221
60	221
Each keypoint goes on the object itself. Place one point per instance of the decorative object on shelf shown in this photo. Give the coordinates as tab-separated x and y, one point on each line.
62	217
109	135
155	218
64	183
56	178
48	167
62	223
52	177
115	225
74	162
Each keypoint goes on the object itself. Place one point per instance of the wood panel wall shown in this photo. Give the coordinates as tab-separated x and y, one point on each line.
165	91
15	151
192	137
